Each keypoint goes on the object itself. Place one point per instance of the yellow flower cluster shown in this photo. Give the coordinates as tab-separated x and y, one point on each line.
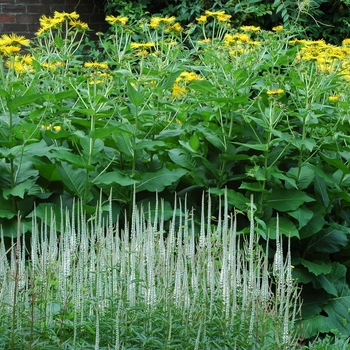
250	29
241	43
20	64
11	43
328	58
50	127
220	16
96	65
156	22
179	88
334	98
48	23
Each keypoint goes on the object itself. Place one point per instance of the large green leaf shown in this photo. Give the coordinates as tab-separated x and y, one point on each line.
158	180
287	200
303	176
74	179
316	267
114	177
135	97
285	227
330	240
303	215
182	157
19	190
336	308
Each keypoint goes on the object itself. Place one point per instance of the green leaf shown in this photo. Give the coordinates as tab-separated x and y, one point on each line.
303	176
19	190
236	199
182	157
337	163
204	86
135	97
316	267
321	189
114	177
303	215
21	101
290	182
330	240
68	156
253	186
158	180
194	142
287	200
285	227
74	179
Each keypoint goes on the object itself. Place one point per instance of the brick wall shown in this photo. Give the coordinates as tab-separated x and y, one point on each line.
22	16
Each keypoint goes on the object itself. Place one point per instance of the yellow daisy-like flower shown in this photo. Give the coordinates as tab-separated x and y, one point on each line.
277	28
99	65
13	40
79	25
346	42
142	45
234	38
115	20
176	27
178	91
62	16
334	98
157	21
250	28
223	17
275	92
8	50
202	19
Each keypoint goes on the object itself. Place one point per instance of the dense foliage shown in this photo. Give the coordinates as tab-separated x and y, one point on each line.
315	19
154	109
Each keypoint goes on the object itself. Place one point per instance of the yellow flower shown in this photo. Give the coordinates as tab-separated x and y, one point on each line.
223	17
8	50
275	92
204	41
277	28
79	25
233	38
141	45
250	29
176	27
188	77
13	40
178	91
50	127
157	21
101	65
62	16
115	20
346	42
202	19
334	98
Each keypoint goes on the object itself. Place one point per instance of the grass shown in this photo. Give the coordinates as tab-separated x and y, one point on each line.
151	284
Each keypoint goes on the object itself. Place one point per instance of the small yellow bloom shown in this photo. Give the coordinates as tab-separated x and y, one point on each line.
62	16
176	27
346	42
157	21
101	65
223	17
178	90
13	40
202	19
275	92
277	28
250	28
116	20
334	98
141	45
79	25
